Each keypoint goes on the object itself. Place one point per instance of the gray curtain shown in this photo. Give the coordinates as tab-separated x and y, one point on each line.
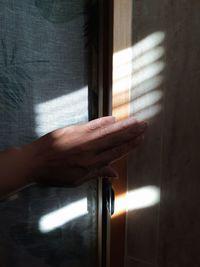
45	83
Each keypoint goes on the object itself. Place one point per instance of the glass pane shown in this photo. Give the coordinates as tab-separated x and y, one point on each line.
46	65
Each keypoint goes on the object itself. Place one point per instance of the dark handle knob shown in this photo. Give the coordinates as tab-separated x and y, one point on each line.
110	199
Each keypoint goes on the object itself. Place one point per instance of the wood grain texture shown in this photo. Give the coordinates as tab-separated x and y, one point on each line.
131	262
168	235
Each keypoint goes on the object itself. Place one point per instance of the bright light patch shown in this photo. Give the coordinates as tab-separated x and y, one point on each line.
61	216
143	46
148	58
137	199
147	73
146	101
137	77
147	86
141	62
148	112
151	41
121	86
61	111
142	198
147	77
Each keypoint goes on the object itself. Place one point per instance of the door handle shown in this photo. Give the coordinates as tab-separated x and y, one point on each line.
110	199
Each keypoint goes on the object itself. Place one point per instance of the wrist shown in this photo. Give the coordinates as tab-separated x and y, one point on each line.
30	161
16	170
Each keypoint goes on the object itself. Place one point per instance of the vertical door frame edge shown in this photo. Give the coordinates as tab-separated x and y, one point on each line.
105	108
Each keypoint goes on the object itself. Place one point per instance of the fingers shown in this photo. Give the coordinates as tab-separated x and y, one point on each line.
99	123
115	153
102	134
120	137
111	129
115	134
101	167
83	134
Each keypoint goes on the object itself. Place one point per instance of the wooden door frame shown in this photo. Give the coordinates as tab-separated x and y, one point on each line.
115	27
122	40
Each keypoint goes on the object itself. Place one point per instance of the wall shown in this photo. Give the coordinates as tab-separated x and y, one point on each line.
165	92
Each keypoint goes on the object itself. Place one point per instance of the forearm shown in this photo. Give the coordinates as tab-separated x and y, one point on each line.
15	170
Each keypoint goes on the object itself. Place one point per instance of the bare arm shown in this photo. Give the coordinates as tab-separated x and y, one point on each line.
70	156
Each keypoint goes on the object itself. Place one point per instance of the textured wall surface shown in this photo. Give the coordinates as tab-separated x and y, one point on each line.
168	233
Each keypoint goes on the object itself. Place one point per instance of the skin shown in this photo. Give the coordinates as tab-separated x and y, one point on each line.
70	156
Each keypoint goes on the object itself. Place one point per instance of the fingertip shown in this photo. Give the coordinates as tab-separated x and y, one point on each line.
112	118
107	119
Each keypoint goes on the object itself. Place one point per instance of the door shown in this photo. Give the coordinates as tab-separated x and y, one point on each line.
50	76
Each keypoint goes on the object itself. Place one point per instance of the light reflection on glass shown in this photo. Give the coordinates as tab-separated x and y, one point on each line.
63	215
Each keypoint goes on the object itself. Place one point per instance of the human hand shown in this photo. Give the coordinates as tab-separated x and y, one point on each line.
72	155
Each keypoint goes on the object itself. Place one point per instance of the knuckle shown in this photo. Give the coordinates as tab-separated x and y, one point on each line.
95	124
92	126
100	123
54	135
